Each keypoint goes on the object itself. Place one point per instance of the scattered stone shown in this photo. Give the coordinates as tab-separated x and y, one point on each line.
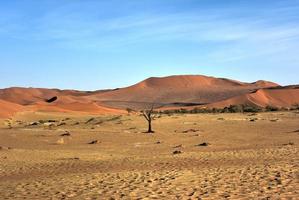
253	119
289	144
33	123
19	122
190	130
178	146
60	141
4	148
274	120
176	152
297	131
47	121
66	133
204	144
75	158
94	142
48	124
61	124
220	118
158	142
76	123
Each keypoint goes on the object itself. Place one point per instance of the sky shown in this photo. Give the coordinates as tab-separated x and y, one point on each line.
99	44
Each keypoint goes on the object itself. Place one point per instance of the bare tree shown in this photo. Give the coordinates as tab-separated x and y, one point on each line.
149	116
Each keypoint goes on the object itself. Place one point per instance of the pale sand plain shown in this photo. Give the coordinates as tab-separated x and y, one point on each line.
247	157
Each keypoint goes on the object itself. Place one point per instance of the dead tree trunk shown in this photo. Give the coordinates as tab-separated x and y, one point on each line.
148	115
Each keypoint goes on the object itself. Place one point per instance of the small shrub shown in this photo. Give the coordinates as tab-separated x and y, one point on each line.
295	107
235	108
252	109
271	108
129	110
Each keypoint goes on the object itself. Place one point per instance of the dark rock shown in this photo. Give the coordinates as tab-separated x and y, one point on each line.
190	130
176	152
66	133
94	142
274	120
5	148
204	144
178	146
62	124
289	144
33	123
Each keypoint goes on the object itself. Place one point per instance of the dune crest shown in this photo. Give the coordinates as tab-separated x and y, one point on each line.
172	91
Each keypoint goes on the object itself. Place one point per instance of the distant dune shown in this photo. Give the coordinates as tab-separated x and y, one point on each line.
7	109
179	91
282	97
172	91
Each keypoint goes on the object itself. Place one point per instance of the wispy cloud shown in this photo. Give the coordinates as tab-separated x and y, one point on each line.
230	33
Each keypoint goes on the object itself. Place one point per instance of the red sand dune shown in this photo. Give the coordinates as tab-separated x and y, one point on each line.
8	109
178	91
172	91
34	99
281	97
27	96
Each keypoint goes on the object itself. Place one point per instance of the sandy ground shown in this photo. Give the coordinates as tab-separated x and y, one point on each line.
247	157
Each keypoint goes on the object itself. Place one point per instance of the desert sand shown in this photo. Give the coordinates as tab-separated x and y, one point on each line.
56	155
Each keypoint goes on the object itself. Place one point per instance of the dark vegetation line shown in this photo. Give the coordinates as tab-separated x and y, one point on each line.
230	109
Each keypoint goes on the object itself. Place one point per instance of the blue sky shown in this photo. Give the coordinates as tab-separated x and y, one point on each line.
90	44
